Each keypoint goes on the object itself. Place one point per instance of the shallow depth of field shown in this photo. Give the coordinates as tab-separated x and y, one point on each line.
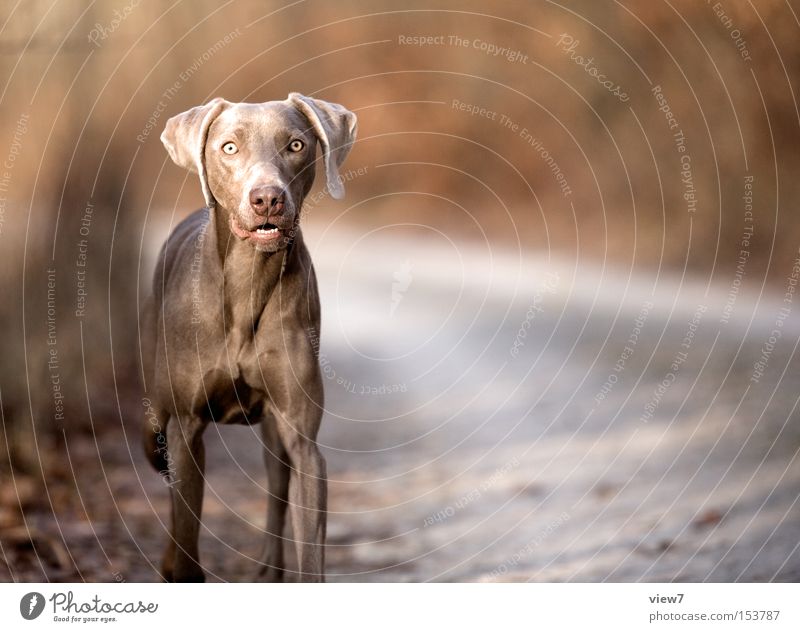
560	320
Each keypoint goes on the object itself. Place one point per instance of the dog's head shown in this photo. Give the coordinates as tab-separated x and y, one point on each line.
256	161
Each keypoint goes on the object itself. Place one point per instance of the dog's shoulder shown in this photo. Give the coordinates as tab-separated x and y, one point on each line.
187	235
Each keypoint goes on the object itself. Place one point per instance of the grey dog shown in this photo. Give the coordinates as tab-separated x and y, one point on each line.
230	334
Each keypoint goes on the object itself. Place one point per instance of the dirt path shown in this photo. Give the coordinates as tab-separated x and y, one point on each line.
460	449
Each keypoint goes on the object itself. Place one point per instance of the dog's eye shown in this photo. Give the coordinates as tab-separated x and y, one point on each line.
296	145
230	148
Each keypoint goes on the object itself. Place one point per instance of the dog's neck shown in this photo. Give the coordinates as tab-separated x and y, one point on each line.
244	270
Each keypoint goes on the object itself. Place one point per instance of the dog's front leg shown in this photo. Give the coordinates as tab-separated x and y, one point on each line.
278	475
308	485
186	461
308	500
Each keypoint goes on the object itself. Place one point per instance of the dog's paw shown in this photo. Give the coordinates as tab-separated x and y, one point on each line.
192	578
268	574
188	571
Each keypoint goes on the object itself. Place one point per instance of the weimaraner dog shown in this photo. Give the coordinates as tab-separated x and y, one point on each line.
230	334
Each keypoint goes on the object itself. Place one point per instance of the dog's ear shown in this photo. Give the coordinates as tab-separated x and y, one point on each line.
185	139
335	128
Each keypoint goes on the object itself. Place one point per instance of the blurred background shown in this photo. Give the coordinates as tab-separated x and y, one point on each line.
559	320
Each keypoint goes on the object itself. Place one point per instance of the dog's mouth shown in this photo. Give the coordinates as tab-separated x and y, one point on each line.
262	234
266	229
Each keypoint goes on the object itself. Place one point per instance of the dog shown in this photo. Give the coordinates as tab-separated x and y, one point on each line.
230	333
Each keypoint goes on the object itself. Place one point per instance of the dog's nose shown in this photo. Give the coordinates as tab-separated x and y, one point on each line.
267	200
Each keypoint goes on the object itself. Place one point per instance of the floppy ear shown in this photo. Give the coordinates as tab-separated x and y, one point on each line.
185	139
335	128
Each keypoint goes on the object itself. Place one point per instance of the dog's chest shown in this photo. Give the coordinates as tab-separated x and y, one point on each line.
227	399
232	389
